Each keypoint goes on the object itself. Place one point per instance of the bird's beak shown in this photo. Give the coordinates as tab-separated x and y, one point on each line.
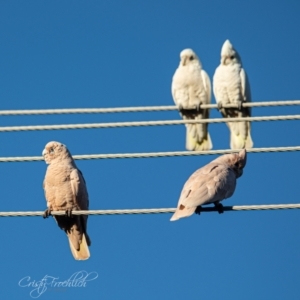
184	61
44	152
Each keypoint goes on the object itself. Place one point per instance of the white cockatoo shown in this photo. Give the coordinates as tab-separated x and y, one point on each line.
65	189
191	87
211	184
231	86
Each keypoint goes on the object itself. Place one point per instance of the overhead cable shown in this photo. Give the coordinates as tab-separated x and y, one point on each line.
153	154
150	211
136	109
146	123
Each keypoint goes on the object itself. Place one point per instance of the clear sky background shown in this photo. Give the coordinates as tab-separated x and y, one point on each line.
71	54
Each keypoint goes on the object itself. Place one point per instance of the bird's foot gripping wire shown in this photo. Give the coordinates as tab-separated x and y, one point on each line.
240	105
198	210
191	111
47	213
219	207
180	108
219	106
198	108
69	213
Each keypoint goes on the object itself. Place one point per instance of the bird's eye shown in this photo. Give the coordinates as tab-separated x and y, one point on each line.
232	57
191	57
51	150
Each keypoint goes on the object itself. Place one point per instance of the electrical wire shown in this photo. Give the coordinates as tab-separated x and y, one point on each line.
153	154
146	123
150	211
137	109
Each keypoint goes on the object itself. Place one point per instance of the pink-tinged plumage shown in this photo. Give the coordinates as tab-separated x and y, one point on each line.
211	184
65	189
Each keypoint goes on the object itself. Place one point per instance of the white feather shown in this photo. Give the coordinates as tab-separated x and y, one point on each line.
191	87
231	86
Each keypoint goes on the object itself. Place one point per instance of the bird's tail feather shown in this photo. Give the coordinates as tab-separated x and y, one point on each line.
83	253
192	139
240	136
182	213
249	142
206	144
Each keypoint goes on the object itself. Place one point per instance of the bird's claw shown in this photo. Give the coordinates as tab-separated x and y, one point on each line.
180	108
198	107
47	213
198	210
240	105
219	207
219	106
69	213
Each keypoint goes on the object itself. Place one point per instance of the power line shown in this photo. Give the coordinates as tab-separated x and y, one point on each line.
150	210
146	123
136	109
153	154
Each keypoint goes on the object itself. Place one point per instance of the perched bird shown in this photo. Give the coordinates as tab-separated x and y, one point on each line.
65	189
190	88
231	86
211	184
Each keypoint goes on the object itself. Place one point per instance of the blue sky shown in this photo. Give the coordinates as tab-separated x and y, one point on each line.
69	54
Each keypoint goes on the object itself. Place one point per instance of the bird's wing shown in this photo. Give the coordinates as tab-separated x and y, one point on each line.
217	84
180	91
211	183
207	85
79	189
246	92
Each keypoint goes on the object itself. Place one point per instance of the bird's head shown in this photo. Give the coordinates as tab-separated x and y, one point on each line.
229	55
238	162
188	57
55	151
235	161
